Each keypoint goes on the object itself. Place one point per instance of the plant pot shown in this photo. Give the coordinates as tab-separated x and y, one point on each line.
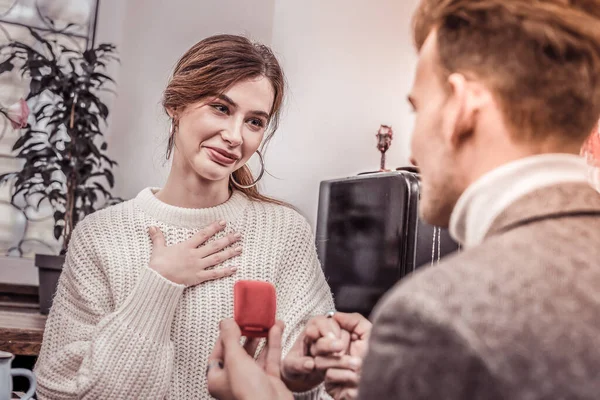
49	269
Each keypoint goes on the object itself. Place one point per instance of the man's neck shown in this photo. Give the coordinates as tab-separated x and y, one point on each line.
489	195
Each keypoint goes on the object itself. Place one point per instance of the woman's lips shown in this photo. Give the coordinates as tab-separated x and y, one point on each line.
221	156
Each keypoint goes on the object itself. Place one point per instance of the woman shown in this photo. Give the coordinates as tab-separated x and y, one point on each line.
138	305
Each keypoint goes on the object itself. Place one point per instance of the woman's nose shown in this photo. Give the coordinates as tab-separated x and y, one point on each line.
232	134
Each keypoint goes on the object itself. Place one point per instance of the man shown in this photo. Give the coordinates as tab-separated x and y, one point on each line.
591	151
261	377
505	93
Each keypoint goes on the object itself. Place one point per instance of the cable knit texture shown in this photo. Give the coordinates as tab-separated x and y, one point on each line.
118	330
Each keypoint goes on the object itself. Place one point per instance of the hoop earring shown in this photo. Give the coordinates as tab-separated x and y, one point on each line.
171	141
260	175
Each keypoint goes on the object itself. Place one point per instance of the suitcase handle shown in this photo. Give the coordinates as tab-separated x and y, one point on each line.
412	169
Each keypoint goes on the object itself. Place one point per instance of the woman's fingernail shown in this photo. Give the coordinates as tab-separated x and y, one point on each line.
331	335
308	364
238	249
222	223
152	230
233	269
237	235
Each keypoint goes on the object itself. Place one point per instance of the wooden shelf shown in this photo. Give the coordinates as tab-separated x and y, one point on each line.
21	332
21	324
19	296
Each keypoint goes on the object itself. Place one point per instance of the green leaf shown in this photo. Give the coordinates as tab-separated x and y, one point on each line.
21	141
35	88
42	109
108	160
6	177
100	77
58	229
103	109
92	147
109	177
90	56
66	50
40	202
16	193
6	66
30	148
40	39
31	53
91	195
75	218
102	189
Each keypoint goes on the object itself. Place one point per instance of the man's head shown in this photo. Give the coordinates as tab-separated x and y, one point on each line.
499	80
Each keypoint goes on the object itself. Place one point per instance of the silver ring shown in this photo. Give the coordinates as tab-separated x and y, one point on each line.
330	314
214	363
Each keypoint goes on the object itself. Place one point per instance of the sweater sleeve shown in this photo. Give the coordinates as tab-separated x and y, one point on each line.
302	291
90	349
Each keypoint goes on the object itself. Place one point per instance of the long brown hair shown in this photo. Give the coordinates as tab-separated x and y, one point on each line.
212	66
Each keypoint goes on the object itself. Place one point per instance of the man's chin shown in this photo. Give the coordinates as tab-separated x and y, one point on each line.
435	215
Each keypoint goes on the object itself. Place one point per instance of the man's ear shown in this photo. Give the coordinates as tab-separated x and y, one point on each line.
465	101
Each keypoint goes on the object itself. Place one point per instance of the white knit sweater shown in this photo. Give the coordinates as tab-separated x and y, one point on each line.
118	330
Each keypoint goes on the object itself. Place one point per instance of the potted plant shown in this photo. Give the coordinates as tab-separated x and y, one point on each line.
63	153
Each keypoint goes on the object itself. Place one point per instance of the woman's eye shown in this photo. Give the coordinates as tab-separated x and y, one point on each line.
221	108
257	123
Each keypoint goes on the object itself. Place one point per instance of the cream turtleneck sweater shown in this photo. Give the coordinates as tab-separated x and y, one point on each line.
118	330
487	197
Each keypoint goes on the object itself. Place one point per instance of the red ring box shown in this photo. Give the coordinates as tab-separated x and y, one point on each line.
254	307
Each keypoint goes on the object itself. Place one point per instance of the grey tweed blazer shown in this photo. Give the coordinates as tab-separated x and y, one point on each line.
516	318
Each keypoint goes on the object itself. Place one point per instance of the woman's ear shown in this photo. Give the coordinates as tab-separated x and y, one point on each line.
172	113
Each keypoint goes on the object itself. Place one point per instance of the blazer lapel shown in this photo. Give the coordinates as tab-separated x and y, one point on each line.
551	202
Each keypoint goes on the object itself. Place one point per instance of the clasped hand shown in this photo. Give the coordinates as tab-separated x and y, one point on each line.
330	351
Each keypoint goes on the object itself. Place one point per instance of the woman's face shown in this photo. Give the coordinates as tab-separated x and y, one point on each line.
218	135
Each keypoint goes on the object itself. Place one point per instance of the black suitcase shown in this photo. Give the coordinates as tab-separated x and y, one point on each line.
369	236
